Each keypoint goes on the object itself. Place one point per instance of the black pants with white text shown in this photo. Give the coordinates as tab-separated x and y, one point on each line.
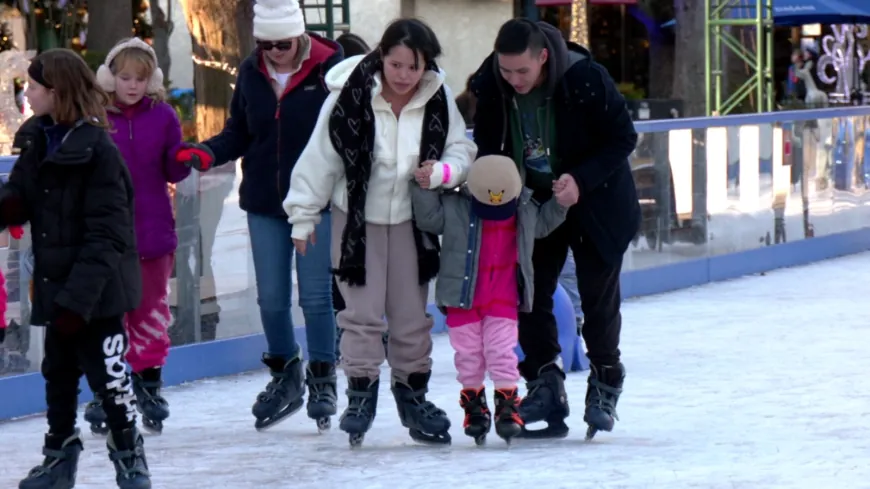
97	352
598	286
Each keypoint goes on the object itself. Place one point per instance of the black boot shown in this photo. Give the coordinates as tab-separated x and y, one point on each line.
58	470
283	394
546	400
478	418
127	453
425	421
508	423
362	407
149	401
96	417
604	387
322	393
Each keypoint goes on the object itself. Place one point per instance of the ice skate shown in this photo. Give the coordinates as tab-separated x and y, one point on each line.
127	453
58	470
546	401
477	415
508	424
283	394
322	395
426	422
602	393
362	406
149	402
96	417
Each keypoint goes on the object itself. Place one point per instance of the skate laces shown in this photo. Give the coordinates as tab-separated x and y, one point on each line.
321	388
474	404
425	407
603	396
129	462
359	403
274	388
508	407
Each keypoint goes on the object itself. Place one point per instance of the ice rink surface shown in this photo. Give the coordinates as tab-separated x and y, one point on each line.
756	383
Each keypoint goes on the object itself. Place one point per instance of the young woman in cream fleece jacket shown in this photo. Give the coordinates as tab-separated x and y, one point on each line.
388	112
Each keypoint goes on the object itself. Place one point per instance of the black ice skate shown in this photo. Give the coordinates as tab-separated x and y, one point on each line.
362	406
478	418
602	393
58	470
426	423
508	423
149	402
322	394
127	453
546	400
96	417
283	395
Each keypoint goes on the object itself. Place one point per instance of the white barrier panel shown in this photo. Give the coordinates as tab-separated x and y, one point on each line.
680	156
717	169
749	169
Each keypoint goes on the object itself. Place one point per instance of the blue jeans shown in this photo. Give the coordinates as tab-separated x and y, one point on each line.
273	260
568	280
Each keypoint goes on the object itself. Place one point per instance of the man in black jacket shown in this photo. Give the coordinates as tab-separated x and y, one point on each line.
559	115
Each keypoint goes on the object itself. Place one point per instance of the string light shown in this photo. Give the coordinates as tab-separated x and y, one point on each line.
579	22
218	65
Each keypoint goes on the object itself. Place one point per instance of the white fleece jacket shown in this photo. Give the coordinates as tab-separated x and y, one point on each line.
318	175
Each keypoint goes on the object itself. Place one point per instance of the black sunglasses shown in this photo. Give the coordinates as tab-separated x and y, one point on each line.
269	45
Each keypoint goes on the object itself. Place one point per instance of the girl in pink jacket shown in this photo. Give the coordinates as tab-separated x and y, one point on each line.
489	229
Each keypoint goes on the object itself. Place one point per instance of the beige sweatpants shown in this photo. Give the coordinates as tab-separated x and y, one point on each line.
392	290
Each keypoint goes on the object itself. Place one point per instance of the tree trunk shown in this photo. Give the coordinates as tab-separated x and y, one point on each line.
689	56
661	67
109	21
162	27
221	32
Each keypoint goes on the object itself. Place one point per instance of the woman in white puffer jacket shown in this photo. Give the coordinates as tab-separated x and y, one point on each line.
388	113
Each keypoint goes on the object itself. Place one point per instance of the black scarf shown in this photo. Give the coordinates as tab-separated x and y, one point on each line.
352	133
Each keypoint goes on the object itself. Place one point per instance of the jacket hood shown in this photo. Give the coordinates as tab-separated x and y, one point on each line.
338	75
563	55
325	52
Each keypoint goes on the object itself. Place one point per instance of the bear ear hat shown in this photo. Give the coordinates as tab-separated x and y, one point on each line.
106	79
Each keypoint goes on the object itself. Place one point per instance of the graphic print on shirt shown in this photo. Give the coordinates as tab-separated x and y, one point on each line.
534	151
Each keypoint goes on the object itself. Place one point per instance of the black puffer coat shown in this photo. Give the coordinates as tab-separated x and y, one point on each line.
78	199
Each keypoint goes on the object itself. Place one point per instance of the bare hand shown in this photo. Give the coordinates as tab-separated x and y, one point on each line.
301	245
422	175
568	193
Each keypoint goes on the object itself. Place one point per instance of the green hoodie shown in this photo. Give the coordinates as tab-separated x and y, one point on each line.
531	121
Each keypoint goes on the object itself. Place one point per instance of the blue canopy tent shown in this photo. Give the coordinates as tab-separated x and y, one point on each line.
800	12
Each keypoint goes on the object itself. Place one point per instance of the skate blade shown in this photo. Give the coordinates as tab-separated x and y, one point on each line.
324	424
267	423
431	440
152	427
99	430
552	431
480	440
356	439
509	433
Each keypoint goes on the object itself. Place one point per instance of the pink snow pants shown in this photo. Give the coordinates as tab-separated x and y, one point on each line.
147	326
485	345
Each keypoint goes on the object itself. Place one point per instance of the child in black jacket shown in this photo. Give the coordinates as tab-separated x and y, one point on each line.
71	184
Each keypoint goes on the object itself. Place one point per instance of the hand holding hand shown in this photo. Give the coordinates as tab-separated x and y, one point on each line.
196	156
301	245
566	191
423	174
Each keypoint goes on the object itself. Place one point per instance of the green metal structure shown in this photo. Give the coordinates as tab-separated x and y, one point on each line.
328	17
721	17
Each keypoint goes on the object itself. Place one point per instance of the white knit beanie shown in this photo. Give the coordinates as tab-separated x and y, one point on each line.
275	20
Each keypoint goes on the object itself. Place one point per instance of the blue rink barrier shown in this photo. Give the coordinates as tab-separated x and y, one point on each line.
23	395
